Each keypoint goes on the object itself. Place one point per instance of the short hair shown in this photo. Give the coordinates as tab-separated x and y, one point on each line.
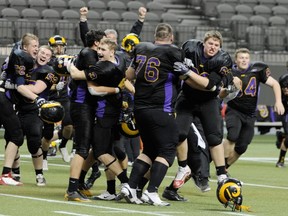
163	31
94	35
213	34
111	31
111	43
26	38
241	50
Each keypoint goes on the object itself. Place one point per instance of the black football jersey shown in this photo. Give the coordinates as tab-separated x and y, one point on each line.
79	92
221	64
246	100
106	73
155	86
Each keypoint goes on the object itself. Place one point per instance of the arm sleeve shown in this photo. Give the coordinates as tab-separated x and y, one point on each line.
137	27
83	26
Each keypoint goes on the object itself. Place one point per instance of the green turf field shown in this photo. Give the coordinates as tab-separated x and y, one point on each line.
265	190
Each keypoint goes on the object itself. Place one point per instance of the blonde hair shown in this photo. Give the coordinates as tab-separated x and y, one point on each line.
213	34
26	38
241	50
111	43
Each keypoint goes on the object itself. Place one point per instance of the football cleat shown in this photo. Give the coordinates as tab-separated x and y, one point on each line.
153	199
40	180
64	153
201	183
129	194
76	196
6	179
280	165
181	177
83	190
105	196
172	195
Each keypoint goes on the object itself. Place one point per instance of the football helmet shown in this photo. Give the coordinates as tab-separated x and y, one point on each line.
128	127
52	112
57	40
229	193
129	42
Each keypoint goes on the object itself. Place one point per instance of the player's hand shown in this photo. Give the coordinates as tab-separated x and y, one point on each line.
83	14
3	75
237	82
40	101
142	13
60	86
62	64
181	68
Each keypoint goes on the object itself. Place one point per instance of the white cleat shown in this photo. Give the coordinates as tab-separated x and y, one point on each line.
6	179
65	156
153	199
181	177
130	194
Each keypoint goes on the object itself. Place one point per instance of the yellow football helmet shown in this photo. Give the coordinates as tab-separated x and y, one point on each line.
229	193
57	40
129	42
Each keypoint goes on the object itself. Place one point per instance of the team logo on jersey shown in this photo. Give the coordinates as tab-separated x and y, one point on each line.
263	111
92	75
20	69
51	78
224	71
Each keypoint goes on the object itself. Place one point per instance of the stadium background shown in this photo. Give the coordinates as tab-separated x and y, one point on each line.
190	18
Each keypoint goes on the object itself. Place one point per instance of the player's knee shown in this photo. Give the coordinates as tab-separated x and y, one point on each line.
214	140
286	142
182	136
241	149
232	137
169	156
82	153
33	147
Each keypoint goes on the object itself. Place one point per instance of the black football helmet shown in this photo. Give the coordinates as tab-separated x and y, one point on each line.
283	81
52	112
229	193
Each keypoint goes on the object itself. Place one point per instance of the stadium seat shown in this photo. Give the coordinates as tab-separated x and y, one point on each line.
255	36
233	3
117	6
152	18
111	16
38	5
23	26
11	14
18	4
70	15
106	25
258	20
58	5
134	5
239	24
76	4
6	32
30	14
97	5
280	10
67	29
224	13
129	16
244	10
277	21
147	33
275	39
170	18
283	3
250	3
262	10
44	30
209	7
93	17
50	14
184	33
155	7
123	28
267	3
3	4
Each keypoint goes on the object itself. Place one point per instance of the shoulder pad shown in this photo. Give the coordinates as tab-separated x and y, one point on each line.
45	69
190	45
258	66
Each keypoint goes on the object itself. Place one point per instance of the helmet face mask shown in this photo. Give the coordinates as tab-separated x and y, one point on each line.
129	42
58	44
229	193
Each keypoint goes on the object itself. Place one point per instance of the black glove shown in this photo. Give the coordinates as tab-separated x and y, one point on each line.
181	68
40	101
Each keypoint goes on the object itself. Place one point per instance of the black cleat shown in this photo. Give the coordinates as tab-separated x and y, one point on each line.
90	181
172	195
201	183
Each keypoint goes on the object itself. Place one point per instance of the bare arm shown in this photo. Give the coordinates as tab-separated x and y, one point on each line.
278	107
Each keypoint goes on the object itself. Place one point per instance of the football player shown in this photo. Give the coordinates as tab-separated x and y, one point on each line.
240	114
282	138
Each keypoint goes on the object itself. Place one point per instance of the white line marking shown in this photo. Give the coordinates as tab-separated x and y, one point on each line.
92	206
237	213
70	213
